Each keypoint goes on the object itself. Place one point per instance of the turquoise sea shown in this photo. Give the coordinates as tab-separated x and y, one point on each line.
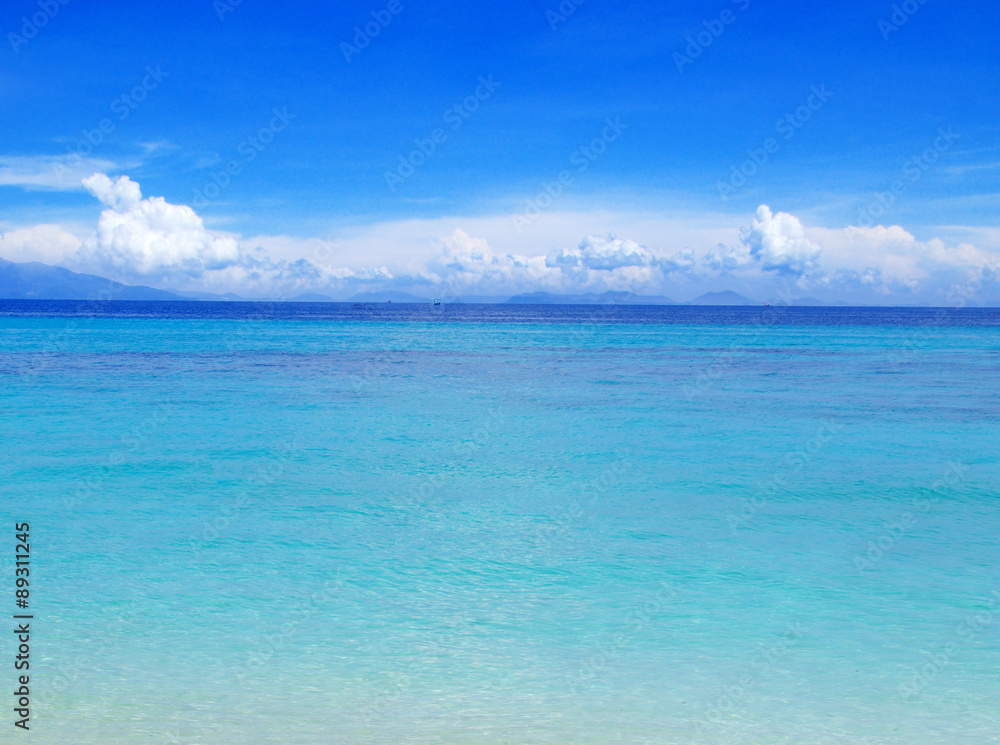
495	525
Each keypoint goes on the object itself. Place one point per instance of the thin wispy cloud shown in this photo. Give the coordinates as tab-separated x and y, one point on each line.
50	172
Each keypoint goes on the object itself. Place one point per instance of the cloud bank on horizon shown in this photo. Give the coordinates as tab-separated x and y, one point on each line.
152	241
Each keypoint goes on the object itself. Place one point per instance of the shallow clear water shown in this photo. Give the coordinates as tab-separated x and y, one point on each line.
302	524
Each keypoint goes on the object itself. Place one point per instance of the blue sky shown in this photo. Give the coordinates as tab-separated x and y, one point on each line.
557	74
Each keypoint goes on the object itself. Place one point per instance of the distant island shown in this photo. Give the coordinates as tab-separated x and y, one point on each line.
37	281
606	298
34	280
723	298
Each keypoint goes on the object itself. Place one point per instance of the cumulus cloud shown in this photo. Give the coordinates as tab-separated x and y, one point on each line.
151	237
121	195
878	264
773	243
779	243
601	263
727	259
684	261
464	264
892	262
468	265
156	242
602	253
609	253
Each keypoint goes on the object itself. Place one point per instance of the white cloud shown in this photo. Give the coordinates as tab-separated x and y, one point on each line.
151	237
121	195
891	262
726	259
468	265
880	264
463	264
49	244
610	263
602	254
779	243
